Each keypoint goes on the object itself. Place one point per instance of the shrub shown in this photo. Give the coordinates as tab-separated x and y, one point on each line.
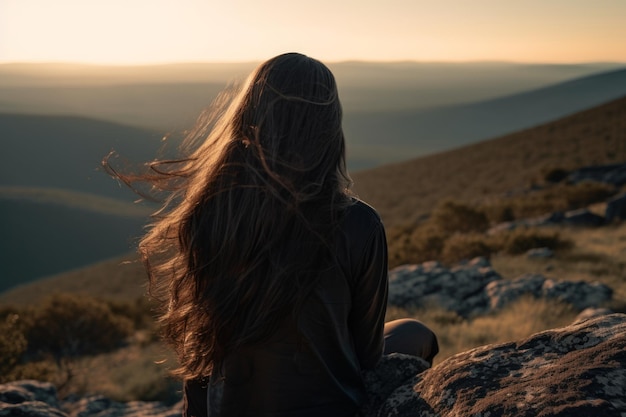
554	175
44	370
452	216
72	325
521	240
499	211
139	311
588	192
12	344
465	246
425	244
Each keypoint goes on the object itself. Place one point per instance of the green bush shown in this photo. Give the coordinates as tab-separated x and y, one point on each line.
585	193
520	241
555	175
452	216
425	244
140	311
73	325
465	246
12	344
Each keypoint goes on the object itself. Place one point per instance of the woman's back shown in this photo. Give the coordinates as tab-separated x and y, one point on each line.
311	366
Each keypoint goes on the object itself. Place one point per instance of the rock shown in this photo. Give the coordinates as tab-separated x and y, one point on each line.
579	294
578	370
583	217
35	399
540	253
29	398
616	208
460	289
592	312
475	288
614	174
392	371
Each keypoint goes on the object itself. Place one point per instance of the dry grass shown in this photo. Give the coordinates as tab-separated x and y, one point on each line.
121	279
404	192
138	371
458	335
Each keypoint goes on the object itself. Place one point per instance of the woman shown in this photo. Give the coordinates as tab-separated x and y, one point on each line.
274	277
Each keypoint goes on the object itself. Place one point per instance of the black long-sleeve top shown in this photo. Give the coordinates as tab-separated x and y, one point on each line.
312	367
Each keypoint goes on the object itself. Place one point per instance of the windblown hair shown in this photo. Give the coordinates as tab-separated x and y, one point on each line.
249	222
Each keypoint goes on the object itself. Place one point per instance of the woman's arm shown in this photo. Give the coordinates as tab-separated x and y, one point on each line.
369	299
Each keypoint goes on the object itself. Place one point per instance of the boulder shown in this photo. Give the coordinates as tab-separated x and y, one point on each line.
578	370
579	294
616	208
39	399
583	217
614	174
475	288
459	289
540	253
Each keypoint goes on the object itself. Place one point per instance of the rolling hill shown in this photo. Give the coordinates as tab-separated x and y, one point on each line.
405	191
392	135
58	210
393	111
44	239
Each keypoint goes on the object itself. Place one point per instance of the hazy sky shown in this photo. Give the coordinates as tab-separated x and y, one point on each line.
155	31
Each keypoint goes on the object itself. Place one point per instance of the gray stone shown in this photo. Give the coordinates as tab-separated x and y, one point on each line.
614	174
39	399
475	288
616	208
578	370
540	253
460	289
583	217
592	312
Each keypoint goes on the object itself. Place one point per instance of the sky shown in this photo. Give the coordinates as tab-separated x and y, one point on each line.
162	31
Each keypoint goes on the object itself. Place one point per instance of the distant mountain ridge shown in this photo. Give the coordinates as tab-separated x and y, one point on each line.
419	108
407	190
440	129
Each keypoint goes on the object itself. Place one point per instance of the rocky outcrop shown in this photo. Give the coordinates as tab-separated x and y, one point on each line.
475	288
578	370
614	174
616	208
39	399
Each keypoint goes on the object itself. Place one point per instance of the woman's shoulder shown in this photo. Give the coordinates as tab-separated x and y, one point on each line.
361	218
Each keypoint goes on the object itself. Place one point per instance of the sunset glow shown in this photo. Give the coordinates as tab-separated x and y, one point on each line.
158	31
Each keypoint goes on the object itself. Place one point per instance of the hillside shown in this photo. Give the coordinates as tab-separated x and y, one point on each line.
58	209
65	152
405	191
396	135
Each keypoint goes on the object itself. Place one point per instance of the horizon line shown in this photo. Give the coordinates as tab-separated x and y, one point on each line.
342	61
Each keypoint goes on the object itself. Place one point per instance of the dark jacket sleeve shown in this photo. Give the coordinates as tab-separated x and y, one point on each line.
194	399
369	299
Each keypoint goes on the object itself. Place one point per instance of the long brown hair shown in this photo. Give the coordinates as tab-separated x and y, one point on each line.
251	212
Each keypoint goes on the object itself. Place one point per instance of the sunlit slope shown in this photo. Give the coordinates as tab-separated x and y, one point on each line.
399	135
404	191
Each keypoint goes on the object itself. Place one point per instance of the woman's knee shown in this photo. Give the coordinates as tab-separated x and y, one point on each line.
412	337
